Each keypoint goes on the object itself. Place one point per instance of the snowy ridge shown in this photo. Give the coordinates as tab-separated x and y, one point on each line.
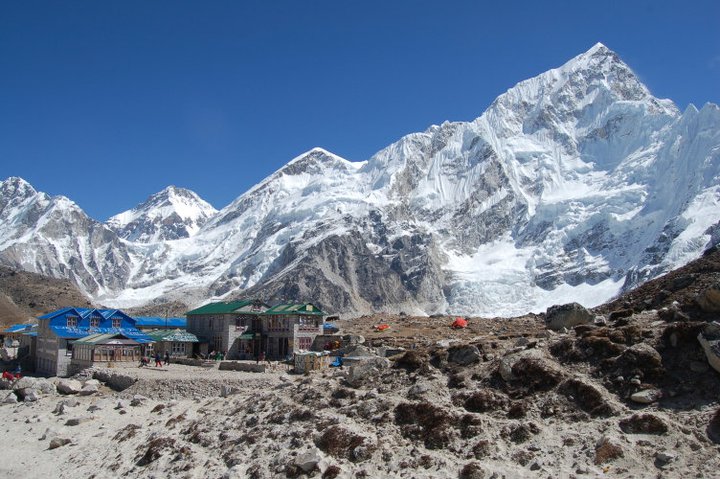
170	214
571	186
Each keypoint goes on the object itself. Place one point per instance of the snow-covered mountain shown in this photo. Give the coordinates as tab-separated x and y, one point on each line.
571	186
171	214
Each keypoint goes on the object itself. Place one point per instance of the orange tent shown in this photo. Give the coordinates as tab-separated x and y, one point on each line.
459	323
382	327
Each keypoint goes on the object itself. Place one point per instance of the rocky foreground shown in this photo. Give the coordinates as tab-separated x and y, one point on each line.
636	400
629	391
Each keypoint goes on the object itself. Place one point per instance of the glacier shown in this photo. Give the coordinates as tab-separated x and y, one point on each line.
572	186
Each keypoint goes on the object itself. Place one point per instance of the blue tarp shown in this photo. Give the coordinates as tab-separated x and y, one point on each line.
156	322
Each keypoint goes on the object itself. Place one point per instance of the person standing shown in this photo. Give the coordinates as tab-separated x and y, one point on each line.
158	360
167	358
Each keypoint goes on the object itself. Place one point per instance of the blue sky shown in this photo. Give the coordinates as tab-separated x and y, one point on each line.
109	102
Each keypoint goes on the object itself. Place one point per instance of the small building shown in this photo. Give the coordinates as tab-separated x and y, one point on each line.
59	330
106	348
19	341
232	327
290	328
179	343
152	323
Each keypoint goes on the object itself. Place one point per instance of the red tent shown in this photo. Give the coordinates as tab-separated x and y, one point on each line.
459	323
382	327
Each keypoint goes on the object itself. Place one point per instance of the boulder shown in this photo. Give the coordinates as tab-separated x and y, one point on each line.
367	368
646	396
464	355
709	300
709	339
308	461
5	384
24	383
45	386
58	442
77	421
10	399
89	390
69	386
566	316
505	368
29	394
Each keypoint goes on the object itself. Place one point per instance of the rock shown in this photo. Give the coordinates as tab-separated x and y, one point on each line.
93	382
48	434
308	461
472	470
620	313
121	404
464	355
69	386
418	390
505	368
646	396
226	390
709	300
88	390
5	384
567	316
29	394
10	399
365	369
357	350
58	442
607	450
24	383
663	458
114	380
45	386
643	424
77	421
709	339
138	400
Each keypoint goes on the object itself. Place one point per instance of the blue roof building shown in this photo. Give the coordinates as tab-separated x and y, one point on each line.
59	329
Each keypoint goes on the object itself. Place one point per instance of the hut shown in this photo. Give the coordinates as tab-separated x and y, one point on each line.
106	348
178	343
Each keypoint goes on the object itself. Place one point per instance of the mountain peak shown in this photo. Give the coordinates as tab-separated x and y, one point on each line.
15	186
172	213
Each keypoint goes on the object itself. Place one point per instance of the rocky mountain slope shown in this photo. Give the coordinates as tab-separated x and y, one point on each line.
25	296
575	184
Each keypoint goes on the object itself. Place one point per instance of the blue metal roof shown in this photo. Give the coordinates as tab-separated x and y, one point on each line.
82	312
152	321
77	333
20	328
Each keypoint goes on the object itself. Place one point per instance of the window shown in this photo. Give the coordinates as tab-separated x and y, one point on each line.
72	321
218	343
178	349
116	322
94	322
304	343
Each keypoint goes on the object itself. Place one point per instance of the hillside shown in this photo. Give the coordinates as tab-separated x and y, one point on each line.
24	296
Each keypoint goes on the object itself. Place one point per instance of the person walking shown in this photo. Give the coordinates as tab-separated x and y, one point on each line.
167	358
158	360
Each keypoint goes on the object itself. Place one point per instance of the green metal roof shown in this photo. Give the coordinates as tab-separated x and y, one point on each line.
295	308
177	336
228	307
